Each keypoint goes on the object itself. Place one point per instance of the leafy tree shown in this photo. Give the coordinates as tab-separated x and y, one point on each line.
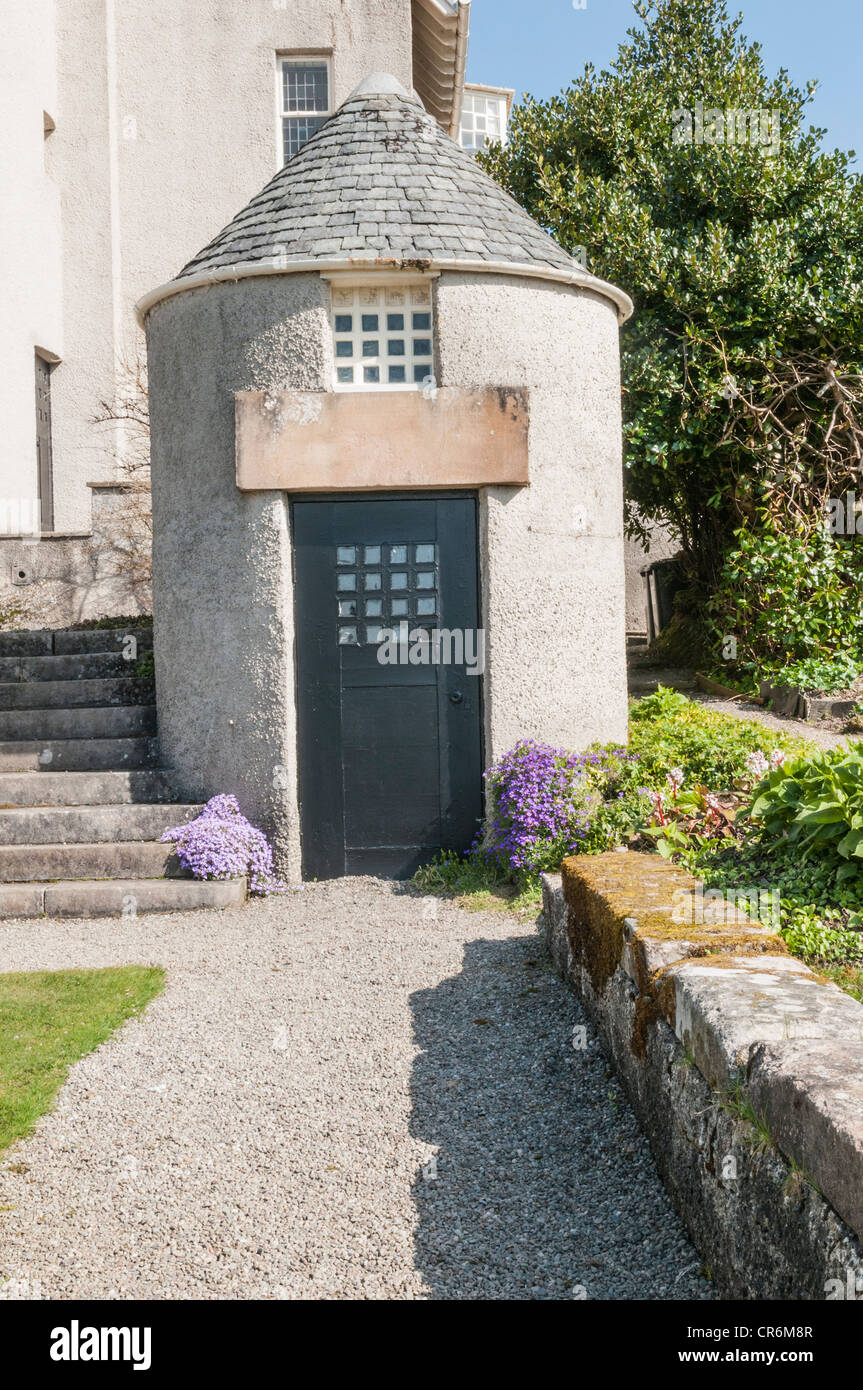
687	175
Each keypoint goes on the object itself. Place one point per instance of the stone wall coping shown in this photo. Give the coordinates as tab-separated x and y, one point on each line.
810	1095
755	1021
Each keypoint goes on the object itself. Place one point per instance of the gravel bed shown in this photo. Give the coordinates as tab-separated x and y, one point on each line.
349	1092
741	709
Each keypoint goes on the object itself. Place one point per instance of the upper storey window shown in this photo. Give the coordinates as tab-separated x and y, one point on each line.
305	95
484	116
383	339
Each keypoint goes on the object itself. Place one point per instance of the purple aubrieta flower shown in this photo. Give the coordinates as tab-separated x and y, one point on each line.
221	843
541	795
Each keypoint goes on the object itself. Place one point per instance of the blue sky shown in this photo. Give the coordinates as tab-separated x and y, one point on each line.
538	46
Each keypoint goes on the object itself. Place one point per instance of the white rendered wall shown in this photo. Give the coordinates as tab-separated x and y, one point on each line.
167	125
29	241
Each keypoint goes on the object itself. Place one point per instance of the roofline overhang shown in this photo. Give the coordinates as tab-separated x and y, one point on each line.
576	278
441	29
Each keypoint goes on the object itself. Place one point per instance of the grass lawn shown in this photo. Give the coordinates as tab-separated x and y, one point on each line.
847	977
51	1018
476	887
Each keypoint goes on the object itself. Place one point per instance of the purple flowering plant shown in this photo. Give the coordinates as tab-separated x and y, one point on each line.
544	803
221	843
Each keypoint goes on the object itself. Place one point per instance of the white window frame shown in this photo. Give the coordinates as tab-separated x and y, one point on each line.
396	294
283	114
501	96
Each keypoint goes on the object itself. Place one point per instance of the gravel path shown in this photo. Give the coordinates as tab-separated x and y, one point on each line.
825	738
346	1093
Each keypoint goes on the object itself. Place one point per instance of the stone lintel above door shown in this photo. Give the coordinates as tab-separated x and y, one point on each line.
319	441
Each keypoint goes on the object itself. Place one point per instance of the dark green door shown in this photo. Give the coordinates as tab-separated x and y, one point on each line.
390	751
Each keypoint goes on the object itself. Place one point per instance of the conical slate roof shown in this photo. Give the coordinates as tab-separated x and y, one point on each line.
380	181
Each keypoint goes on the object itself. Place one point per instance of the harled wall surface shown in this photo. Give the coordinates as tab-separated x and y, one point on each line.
551	553
222	584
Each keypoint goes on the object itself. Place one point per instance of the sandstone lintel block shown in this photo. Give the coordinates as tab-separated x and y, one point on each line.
335	442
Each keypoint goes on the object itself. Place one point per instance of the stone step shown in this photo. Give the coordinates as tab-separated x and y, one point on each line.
113	690
26	643
74	825
78	755
105	721
45	788
68	641
84	666
121	859
118	897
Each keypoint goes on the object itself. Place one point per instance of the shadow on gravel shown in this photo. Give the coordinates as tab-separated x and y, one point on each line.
543	1185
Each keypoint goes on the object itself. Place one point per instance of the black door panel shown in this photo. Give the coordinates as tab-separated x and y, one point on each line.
390	755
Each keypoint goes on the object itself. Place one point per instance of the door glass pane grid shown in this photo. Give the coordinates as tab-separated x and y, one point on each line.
383	338
379	586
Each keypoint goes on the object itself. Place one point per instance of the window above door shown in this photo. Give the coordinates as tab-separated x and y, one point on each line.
305	98
383	335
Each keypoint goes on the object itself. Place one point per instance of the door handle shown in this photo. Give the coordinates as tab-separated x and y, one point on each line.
456	697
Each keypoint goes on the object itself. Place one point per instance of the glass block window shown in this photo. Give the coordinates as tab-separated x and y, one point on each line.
383	337
392	583
483	118
304	101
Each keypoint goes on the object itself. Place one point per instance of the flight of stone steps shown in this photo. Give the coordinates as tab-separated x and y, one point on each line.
83	798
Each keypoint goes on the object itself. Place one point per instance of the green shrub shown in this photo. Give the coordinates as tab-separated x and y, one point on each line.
667	730
544	803
815	939
819	674
819	919
790	599
814	805
127	620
